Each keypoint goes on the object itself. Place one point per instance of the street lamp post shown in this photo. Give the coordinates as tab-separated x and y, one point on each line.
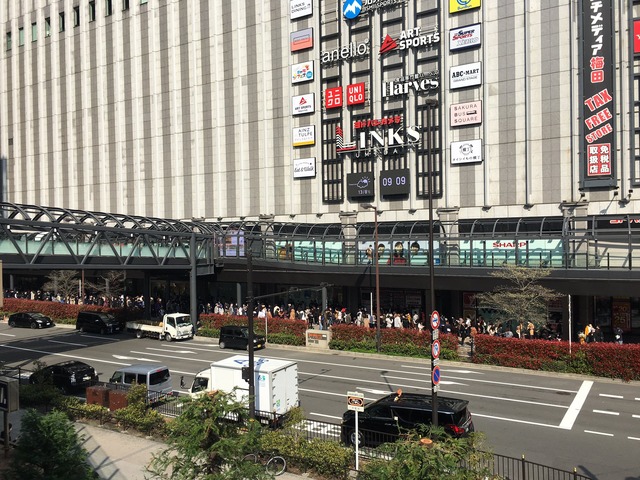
431	104
376	258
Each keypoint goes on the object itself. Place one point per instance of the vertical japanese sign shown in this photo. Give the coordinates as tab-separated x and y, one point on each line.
598	93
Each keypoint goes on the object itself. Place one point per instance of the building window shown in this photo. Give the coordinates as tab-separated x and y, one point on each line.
47	27
108	7
92	11
8	41
21	36
34	32
61	20
76	16
125	4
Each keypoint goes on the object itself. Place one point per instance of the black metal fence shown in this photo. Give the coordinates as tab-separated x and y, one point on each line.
511	468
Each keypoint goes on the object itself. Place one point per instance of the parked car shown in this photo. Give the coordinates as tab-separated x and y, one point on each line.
157	378
383	420
234	336
97	322
68	376
30	320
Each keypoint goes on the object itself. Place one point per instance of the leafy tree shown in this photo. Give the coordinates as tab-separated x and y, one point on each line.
49	448
63	282
522	298
208	441
445	457
110	284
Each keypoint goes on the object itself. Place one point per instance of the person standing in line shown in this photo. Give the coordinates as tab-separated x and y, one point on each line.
618	334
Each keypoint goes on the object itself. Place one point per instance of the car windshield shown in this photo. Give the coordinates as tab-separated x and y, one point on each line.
37	315
245	332
183	321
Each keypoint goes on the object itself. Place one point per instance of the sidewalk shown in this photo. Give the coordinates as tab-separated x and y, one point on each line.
120	456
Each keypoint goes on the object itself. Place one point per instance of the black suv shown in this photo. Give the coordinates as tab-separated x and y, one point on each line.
67	376
97	322
234	336
383	420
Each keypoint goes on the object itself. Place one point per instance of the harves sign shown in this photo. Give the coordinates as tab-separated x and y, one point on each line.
419	83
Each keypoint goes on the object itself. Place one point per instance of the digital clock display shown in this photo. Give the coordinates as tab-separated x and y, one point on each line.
395	182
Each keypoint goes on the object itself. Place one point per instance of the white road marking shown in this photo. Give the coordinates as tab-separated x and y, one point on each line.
101	337
343	395
325	416
64	355
575	407
124	357
638	399
635	416
605	412
514	420
448	370
599	433
608	395
12	335
443	382
372	390
69	343
633	438
164	349
172	356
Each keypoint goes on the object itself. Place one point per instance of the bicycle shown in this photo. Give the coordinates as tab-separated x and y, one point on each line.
274	464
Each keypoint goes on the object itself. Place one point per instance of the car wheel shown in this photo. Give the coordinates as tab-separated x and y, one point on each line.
103	331
81	329
34	325
222	345
12	323
167	337
352	438
138	333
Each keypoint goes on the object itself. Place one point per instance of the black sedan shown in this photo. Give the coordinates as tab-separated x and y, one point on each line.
67	376
30	320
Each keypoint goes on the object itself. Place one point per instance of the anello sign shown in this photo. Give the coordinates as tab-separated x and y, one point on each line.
346	52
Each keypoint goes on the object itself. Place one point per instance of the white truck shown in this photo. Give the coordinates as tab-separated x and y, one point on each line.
174	326
276	382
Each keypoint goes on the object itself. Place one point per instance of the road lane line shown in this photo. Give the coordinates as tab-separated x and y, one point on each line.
54	354
513	420
325	416
12	335
343	395
633	438
599	433
605	412
69	343
635	416
171	356
608	395
575	407
448	370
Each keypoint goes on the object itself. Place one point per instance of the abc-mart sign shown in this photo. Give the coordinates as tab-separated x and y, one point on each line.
467	75
352	8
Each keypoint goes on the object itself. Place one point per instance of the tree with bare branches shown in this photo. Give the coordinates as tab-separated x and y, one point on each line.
110	284
520	297
63	283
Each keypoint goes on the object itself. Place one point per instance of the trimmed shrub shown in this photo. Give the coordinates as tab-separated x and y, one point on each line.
600	359
280	331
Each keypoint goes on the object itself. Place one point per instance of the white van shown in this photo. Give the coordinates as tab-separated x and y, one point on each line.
157	378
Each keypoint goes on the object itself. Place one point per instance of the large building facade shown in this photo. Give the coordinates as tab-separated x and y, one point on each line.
307	110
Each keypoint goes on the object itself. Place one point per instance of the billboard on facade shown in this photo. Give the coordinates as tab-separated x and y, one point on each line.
300	8
303	104
304	136
360	185
464	37
457	6
302	72
468	113
304	167
467	75
598	90
467	151
302	39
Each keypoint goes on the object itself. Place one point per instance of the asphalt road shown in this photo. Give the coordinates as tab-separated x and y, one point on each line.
563	421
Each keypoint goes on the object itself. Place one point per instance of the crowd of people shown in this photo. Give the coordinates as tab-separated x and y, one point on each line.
316	317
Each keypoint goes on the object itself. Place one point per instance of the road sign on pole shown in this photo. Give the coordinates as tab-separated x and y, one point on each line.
435	375
355	401
435	349
435	320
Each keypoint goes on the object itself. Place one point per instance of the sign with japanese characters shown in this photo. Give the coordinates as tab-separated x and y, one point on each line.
333	98
598	87
467	151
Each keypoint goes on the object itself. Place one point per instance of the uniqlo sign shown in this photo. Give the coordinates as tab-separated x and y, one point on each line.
355	94
333	98
599	96
636	37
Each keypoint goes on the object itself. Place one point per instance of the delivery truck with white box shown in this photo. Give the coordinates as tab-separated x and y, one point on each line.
276	382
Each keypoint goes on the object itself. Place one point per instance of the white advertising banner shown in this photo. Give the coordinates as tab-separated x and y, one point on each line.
303	136
302	72
464	37
304	167
468	151
300	8
302	104
469	113
467	75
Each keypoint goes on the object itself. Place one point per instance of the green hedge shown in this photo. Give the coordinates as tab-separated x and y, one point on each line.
280	331
600	359
393	341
